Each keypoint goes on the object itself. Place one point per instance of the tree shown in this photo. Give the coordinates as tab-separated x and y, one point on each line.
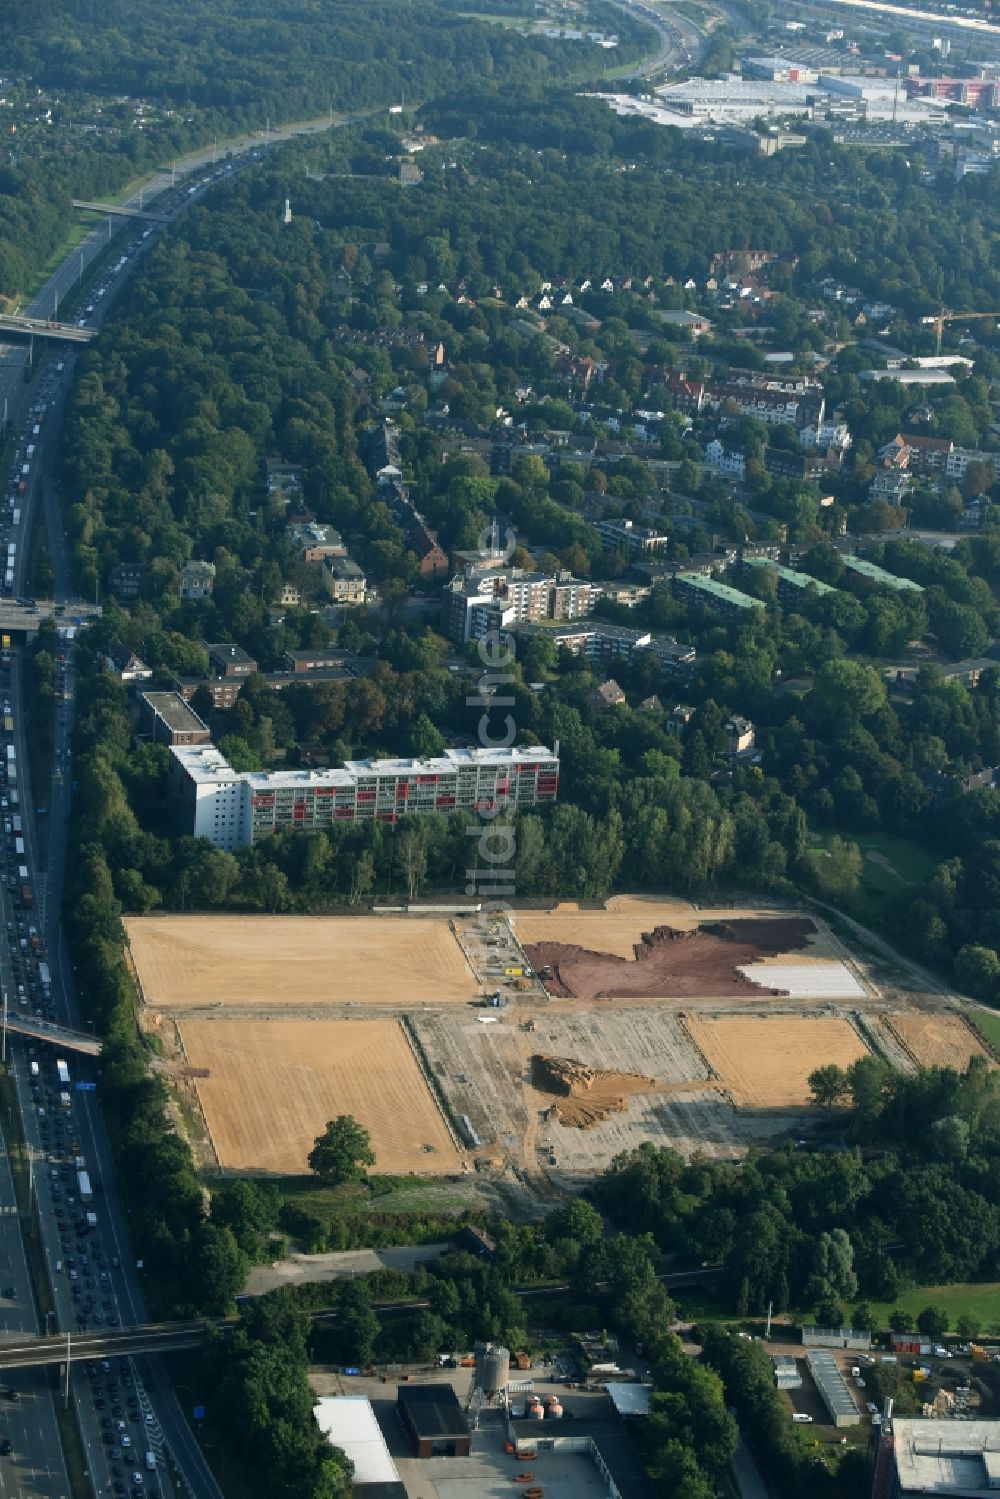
933	1322
900	1321
829	1086
967	1327
341	1151
837	868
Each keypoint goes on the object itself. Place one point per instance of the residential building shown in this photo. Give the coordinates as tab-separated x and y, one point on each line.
792	586
626	536
928	455
433	1419
929	1456
781	463
126	665
315	541
231	660
298	662
726	460
222	690
826	435
696	588
608	695
740	735
432	560
890	484
870	572
284	480
126	579
958	460
291	594
629	595
197	580
343	580
234	808
167	719
477	602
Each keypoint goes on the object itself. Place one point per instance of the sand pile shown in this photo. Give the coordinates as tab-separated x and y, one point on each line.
587	1096
703	963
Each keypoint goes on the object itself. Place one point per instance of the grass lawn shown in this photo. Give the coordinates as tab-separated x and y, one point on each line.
892	871
980	1301
986	1022
390	1195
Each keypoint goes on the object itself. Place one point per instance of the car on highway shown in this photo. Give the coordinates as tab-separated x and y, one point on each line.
5	1448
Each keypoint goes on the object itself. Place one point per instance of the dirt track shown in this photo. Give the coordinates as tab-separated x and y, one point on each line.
703	963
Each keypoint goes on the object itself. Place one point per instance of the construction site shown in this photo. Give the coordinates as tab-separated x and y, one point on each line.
528	1046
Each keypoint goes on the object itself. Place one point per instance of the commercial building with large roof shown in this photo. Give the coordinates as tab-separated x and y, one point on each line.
348	1422
956	1458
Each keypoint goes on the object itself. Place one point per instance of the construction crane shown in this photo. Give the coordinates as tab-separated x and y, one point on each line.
954	317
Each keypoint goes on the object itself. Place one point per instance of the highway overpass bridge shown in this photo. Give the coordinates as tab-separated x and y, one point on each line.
24	619
61	1036
119	210
36	327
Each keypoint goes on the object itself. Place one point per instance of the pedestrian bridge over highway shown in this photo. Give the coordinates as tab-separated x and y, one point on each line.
36	327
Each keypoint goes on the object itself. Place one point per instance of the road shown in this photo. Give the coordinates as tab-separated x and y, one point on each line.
680	41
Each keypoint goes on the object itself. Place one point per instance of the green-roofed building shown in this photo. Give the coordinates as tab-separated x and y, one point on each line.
860	567
793	586
696	588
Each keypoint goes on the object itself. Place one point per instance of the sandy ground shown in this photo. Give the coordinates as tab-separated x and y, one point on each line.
764	1063
315	1269
937	1040
275	1083
620	926
197	961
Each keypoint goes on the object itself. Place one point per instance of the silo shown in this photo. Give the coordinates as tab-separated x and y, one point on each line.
492	1368
553	1410
534	1410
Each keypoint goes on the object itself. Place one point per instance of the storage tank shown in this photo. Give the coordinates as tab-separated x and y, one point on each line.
553	1410
492	1368
534	1410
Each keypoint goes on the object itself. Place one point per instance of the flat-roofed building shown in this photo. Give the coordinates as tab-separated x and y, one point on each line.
435	1422
168	719
231	660
233	808
349	1422
720	598
961	1458
870	572
832	1388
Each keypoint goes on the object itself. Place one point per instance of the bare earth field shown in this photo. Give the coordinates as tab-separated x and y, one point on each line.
620	926
273	1085
190	962
485	1073
764	1063
936	1040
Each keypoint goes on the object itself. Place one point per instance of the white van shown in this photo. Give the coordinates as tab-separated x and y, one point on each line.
151	1462
802	1418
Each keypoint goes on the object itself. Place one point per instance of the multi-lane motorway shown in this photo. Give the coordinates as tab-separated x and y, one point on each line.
129	1409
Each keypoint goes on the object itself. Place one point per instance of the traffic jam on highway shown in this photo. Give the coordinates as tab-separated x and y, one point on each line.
125	1437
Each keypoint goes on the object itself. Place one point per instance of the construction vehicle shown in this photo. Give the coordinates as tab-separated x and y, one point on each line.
954	317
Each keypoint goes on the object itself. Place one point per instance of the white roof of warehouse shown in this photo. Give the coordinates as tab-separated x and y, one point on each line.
630	1399
348	1421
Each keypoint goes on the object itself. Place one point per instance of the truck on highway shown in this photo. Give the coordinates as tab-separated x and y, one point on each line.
19	847
65	1102
91	1220
33	1069
62	1072
83	1182
45	978
27	897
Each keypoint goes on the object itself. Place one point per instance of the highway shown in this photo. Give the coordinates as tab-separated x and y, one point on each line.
41	328
127	1408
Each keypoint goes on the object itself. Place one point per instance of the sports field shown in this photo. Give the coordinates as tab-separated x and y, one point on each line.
621	924
186	962
764	1063
274	1084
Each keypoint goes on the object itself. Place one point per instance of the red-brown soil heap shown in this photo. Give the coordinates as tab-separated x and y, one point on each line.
701	964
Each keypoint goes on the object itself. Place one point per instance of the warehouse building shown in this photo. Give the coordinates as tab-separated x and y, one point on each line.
832	1390
433	1419
786	1371
859	1339
234	808
945	1457
348	1422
